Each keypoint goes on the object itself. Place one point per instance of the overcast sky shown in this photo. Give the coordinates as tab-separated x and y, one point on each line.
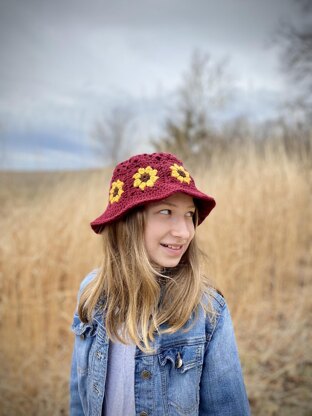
66	63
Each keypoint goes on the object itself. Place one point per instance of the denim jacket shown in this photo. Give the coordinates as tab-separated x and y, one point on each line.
190	373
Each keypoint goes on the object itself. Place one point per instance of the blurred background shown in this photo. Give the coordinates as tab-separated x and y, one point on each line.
225	85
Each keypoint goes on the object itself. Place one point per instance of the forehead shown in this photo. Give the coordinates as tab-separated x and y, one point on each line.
177	199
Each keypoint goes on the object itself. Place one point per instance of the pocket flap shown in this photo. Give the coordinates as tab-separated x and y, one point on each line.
183	357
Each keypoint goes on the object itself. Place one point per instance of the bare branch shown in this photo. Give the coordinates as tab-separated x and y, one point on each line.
110	134
205	89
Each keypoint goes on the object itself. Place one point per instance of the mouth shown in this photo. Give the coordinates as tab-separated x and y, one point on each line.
172	246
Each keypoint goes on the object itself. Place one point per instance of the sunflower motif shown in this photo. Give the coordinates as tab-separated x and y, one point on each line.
116	191
145	177
180	173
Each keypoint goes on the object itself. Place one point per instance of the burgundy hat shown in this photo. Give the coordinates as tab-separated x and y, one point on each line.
146	178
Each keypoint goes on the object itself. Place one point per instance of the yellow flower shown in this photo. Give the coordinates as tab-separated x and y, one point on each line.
180	173
145	177
116	191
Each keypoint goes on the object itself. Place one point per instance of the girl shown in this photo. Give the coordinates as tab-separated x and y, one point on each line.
153	338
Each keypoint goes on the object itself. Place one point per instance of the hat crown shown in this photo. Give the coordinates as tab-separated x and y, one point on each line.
145	178
155	160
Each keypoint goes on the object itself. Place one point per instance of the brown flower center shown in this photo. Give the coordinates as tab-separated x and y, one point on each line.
181	173
145	177
115	193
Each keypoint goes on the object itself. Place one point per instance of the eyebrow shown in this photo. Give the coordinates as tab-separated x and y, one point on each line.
164	202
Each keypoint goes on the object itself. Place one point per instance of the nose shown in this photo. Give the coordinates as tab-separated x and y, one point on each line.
182	228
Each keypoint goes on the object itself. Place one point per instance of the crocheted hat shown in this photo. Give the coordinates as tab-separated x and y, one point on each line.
149	177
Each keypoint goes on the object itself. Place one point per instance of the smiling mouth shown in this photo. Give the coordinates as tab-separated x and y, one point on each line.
172	247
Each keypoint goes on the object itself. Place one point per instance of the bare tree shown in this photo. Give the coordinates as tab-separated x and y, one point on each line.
110	136
295	43
189	130
205	85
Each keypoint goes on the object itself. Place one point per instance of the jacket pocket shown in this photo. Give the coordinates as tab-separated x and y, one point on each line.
180	372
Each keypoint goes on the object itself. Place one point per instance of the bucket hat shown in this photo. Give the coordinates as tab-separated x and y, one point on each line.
148	178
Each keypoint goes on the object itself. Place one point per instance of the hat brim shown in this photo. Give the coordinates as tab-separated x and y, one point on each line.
204	204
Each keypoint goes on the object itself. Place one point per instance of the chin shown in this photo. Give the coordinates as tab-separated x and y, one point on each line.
169	264
166	262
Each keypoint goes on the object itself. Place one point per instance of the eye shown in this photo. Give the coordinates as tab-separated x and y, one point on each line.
165	211
190	214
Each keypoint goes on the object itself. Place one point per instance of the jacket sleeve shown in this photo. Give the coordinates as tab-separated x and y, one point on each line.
222	389
75	404
75	401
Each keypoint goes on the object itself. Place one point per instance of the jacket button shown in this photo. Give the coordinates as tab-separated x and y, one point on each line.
179	361
146	375
143	414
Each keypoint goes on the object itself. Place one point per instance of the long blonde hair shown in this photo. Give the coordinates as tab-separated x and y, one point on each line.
138	299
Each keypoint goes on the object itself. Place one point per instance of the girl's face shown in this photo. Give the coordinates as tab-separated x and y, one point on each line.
169	229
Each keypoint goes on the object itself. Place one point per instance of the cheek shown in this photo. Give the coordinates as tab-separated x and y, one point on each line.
153	228
146	238
150	235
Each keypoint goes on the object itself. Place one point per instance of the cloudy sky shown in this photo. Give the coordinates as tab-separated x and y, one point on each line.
66	64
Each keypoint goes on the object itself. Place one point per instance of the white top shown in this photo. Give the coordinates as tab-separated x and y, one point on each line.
119	386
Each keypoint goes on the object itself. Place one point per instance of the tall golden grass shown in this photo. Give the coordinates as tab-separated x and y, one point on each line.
258	240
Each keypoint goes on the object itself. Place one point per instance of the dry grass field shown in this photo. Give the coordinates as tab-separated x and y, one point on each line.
259	243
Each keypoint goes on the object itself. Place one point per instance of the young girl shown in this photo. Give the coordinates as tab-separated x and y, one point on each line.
153	338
